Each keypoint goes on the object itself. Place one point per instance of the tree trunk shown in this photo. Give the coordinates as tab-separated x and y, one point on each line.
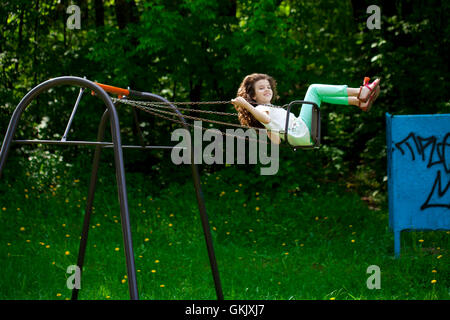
228	8
126	12
122	13
36	41
62	7
195	90
19	45
99	13
84	13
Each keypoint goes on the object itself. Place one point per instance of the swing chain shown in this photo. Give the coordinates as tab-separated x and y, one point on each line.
159	113
160	104
147	107
165	105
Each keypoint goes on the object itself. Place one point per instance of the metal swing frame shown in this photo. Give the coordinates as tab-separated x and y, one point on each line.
315	125
101	90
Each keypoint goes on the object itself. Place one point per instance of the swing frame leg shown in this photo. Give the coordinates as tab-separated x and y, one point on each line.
126	228
198	193
90	201
118	159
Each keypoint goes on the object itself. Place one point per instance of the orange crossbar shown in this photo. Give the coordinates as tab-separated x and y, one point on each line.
115	90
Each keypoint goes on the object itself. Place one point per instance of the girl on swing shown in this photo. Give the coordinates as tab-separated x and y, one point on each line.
253	104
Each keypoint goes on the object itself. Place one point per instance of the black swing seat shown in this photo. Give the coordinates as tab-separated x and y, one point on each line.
315	125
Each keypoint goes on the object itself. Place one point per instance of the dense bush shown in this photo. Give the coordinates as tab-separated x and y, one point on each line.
201	50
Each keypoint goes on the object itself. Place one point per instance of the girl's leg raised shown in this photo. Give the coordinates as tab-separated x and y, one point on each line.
318	93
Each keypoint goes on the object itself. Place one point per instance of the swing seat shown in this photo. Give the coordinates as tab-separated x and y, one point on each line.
315	125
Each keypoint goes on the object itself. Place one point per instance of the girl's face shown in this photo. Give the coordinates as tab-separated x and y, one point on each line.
263	92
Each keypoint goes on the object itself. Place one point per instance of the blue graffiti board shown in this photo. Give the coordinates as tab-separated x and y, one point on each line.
418	150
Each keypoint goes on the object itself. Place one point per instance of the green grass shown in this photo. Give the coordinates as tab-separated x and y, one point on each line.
309	243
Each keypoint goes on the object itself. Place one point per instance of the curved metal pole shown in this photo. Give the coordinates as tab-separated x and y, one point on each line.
199	194
118	157
314	126
90	199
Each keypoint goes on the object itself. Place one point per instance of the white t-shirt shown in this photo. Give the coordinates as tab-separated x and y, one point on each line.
298	132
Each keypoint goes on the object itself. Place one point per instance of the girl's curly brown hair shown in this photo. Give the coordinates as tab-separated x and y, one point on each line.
247	91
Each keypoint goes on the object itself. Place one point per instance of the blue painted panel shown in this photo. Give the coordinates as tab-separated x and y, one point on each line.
418	171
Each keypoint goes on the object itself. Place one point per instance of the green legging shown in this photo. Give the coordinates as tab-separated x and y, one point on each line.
318	93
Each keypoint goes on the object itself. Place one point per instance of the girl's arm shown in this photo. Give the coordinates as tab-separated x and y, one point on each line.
259	115
274	137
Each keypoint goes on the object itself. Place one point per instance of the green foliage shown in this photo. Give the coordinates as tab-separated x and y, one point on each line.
200	51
